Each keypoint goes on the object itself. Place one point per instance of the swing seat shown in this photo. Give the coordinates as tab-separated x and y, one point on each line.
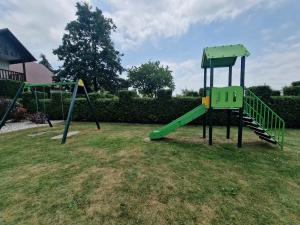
70	134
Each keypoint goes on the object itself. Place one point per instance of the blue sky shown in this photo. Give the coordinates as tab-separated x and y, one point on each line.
175	32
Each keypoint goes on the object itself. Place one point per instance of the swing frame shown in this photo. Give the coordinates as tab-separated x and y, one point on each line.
29	87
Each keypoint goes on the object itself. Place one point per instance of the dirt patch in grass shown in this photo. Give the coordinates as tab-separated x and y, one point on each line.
104	200
97	152
29	171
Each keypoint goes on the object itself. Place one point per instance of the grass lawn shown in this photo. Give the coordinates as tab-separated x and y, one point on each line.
114	176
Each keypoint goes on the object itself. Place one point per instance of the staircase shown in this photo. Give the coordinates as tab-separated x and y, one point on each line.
260	118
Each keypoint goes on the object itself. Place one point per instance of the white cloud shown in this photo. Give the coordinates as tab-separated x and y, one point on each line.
277	67
140	21
39	25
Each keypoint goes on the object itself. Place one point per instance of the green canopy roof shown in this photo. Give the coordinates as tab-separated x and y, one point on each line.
223	56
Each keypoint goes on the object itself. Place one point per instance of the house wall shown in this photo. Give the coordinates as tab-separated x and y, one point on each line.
4	64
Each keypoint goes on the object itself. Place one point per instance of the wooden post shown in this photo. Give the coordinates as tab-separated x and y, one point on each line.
24	71
204	95
241	111
229	110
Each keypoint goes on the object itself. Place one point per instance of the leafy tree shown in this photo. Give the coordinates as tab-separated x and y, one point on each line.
150	77
44	61
88	51
189	93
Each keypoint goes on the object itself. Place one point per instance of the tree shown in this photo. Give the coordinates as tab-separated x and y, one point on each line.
150	77
88	51
44	61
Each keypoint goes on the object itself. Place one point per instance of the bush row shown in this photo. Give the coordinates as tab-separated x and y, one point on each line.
9	88
146	110
291	91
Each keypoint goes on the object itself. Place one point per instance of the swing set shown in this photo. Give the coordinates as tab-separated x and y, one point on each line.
32	88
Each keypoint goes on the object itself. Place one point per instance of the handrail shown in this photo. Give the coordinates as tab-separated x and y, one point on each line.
11	75
266	118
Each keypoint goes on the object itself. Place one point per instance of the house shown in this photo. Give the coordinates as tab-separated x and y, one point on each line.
35	72
12	51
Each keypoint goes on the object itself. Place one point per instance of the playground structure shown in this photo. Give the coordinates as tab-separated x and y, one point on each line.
30	87
250	110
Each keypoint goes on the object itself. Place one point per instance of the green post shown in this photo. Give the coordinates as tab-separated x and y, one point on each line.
229	110
210	112
11	105
67	124
91	106
204	95
241	110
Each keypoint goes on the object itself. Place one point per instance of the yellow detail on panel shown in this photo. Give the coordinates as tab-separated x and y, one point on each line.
206	101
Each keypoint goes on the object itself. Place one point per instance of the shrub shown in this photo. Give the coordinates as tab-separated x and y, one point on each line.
190	93
275	93
126	95
18	114
4	104
264	91
164	94
288	108
97	95
296	83
38	118
291	91
149	110
9	88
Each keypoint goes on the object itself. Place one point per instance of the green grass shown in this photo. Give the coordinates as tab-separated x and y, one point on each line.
114	176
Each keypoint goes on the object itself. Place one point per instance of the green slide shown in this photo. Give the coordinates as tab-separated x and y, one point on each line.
181	121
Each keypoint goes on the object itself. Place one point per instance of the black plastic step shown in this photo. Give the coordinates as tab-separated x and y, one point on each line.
250	123
271	140
248	119
257	128
262	134
237	112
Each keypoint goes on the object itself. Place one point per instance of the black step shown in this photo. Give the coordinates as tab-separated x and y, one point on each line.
237	112
271	140
247	119
256	128
262	134
252	123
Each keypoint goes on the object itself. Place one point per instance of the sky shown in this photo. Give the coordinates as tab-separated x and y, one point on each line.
175	32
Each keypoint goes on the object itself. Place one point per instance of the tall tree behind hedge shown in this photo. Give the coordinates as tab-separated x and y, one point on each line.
44	61
150	77
88	51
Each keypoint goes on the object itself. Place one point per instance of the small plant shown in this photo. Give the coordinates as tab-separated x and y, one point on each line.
38	118
18	114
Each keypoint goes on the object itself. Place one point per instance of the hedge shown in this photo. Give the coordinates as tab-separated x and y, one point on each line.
147	110
9	88
264	91
288	107
296	83
291	91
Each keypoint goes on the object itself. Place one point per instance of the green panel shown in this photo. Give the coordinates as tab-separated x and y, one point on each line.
227	97
223	56
181	121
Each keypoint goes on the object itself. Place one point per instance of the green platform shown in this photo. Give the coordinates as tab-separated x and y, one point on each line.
181	121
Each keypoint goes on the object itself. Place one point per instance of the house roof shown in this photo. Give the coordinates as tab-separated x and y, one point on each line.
223	56
23	54
35	72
